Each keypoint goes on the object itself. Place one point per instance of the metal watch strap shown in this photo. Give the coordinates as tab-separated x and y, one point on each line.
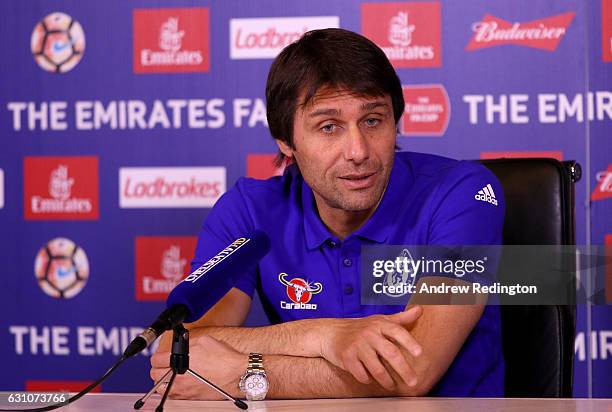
255	363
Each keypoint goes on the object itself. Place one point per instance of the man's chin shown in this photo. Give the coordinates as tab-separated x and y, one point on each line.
359	203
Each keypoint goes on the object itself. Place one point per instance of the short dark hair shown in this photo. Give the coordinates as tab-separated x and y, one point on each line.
334	58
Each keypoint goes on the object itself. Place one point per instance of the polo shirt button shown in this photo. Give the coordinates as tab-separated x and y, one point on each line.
348	289
332	243
347	262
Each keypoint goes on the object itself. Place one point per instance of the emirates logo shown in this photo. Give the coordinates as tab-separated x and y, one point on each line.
400	32
61	188
60	184
161	263
170	37
171	40
172	265
410	34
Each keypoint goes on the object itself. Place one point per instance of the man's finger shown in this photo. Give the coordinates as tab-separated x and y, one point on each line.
156	374
403	338
394	357
407	316
160	360
356	368
375	368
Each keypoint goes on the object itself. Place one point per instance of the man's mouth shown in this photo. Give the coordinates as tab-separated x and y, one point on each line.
357	181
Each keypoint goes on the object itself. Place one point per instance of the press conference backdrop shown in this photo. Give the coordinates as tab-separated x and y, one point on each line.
121	124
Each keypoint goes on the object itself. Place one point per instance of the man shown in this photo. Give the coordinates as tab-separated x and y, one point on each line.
333	102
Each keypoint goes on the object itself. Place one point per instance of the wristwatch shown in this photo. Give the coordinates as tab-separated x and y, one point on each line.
254	383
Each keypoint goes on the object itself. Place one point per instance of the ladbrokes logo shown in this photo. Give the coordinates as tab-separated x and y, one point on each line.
603	189
408	33
161	263
427	110
60	188
171	40
264	38
606	30
539	34
174	187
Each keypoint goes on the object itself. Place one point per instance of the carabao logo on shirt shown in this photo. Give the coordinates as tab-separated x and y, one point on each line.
299	292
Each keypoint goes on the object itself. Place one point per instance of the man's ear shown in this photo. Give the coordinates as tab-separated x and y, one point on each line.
284	148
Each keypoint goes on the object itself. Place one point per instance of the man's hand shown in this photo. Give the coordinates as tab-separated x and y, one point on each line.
360	346
214	360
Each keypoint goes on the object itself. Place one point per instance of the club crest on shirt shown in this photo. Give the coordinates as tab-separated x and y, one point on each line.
299	292
397	278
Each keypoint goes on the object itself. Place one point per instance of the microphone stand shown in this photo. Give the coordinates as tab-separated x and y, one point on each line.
179	365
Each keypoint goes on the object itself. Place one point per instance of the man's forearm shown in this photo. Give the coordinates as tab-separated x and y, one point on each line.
293	363
297	338
294	377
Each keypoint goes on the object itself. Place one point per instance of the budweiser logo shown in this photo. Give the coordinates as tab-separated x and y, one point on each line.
603	189
61	188
540	34
262	38
149	187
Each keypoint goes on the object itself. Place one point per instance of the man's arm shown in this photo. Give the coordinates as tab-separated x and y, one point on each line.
290	377
379	337
440	346
423	352
345	346
305	377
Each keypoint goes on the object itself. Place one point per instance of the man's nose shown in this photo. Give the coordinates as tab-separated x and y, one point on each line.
356	147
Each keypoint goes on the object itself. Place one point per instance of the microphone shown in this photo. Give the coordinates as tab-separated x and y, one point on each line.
204	287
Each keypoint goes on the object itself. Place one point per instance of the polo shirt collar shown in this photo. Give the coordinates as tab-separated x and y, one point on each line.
314	229
379	225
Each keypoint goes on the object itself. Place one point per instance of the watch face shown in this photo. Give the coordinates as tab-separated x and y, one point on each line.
256	385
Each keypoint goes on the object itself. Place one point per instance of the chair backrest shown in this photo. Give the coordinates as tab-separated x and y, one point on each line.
538	341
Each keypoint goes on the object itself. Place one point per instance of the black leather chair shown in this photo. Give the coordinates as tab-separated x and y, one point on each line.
538	341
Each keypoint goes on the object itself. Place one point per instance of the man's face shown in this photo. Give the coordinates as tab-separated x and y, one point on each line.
344	147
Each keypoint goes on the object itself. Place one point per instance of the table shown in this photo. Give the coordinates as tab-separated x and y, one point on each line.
124	402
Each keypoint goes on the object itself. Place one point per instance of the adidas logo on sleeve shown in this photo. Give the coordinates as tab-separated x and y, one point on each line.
486	194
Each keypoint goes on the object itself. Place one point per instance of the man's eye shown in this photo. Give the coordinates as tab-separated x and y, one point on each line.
328	128
372	122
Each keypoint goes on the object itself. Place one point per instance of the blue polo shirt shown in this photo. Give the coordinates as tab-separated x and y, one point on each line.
309	273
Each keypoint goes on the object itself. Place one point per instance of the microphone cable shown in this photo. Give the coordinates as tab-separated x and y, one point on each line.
79	395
